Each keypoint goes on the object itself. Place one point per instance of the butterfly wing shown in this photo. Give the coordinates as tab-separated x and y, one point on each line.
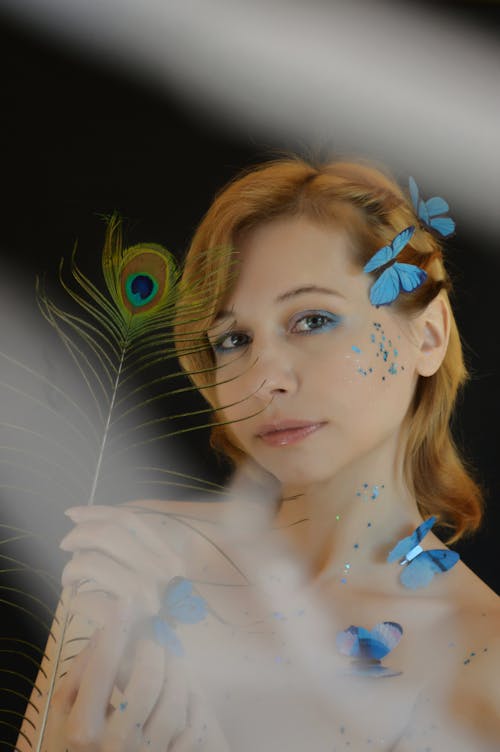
410	276
181	605
436	206
165	635
420	571
405	545
386	288
429	210
370	646
389	252
381	257
388	635
348	641
444	225
414	193
402	239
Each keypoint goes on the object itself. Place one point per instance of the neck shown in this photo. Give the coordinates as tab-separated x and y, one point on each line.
342	528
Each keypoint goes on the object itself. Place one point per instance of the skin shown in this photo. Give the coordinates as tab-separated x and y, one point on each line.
281	634
363	434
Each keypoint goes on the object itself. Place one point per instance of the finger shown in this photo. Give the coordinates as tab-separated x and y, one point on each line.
169	716
86	720
194	735
122	545
67	687
96	607
124	729
202	730
101	572
132	521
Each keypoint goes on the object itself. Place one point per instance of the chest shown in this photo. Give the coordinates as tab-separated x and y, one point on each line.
276	680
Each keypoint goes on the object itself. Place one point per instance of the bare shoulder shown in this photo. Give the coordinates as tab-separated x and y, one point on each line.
458	705
478	618
474	628
476	606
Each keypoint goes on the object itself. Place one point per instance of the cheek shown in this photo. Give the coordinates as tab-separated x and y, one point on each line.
379	354
375	367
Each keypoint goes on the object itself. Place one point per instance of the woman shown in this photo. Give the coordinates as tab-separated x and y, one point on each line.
332	387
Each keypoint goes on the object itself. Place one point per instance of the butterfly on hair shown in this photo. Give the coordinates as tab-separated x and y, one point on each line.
396	278
428	211
420	566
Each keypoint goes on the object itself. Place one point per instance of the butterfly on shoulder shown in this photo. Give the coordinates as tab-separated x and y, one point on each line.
420	566
179	606
368	647
428	211
396	278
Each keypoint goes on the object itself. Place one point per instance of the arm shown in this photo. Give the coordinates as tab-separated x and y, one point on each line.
77	636
156	707
134	570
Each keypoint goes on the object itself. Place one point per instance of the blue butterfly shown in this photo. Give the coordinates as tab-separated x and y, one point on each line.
428	211
179	606
420	566
368	647
397	277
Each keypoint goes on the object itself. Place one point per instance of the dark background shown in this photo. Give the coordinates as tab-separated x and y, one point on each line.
79	139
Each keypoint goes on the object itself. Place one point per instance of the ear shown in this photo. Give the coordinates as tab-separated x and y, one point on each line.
433	327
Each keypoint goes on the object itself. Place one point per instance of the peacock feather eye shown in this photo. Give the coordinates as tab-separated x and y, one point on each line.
140	289
143	279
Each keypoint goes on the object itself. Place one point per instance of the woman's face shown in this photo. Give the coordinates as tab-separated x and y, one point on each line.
323	354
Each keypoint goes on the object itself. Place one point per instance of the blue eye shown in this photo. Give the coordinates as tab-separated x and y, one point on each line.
319	321
326	321
232	336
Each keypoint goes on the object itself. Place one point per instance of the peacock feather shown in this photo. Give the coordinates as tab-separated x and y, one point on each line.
88	428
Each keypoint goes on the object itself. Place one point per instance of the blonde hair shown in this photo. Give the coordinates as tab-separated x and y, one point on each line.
372	208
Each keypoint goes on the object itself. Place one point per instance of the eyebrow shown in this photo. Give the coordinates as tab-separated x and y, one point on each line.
286	296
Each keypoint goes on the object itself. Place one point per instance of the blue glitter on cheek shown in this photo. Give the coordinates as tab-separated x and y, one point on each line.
384	349
355	349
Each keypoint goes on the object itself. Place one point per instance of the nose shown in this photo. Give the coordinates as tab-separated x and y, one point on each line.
274	373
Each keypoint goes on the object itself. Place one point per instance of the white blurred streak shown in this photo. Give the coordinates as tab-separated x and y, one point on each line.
411	86
51	434
283	672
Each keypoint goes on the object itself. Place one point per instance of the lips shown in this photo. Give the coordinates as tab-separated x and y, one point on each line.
286	436
286	425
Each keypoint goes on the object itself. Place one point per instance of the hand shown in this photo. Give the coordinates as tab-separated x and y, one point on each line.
159	708
120	554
